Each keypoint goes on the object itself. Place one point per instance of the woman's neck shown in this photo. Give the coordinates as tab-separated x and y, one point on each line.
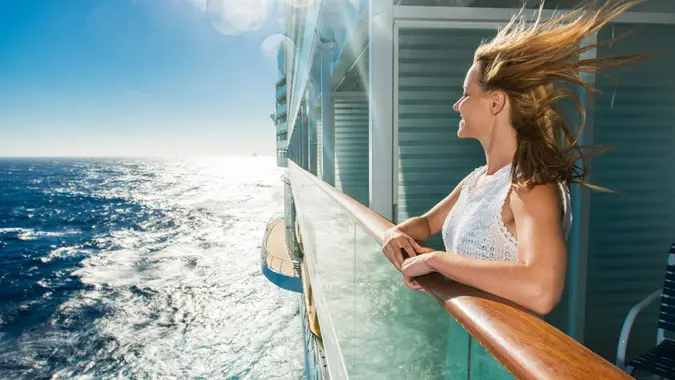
499	147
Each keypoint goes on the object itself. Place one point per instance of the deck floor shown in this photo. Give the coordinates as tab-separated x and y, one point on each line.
278	258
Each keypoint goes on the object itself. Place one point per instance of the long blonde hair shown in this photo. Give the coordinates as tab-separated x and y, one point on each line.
535	63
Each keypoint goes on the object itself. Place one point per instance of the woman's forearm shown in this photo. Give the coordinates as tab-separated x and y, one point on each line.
416	227
514	281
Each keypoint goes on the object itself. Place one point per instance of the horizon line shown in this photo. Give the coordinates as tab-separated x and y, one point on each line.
140	156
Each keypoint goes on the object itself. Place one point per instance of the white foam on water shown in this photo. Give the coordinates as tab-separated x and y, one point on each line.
180	300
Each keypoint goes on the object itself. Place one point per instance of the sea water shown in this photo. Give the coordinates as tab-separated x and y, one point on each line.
142	268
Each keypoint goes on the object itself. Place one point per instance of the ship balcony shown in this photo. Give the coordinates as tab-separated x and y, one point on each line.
386	137
282	126
277	264
282	109
281	82
373	327
281	92
281	119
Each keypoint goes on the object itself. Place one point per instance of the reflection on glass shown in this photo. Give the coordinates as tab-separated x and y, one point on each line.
400	333
305	41
342	18
328	241
457	352
485	366
372	325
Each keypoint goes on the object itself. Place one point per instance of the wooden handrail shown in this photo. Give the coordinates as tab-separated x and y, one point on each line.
522	342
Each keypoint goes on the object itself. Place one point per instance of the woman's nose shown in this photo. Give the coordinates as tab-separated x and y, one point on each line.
455	107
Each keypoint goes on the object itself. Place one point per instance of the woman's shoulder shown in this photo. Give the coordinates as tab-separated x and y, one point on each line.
545	198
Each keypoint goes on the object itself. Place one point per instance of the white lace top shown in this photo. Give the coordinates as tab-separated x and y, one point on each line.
474	227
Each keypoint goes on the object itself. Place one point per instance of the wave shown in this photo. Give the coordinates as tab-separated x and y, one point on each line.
151	269
31	234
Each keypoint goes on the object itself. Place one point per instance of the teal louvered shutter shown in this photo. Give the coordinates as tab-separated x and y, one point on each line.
630	233
350	117
432	160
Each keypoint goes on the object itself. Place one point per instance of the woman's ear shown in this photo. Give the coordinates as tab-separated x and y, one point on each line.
497	102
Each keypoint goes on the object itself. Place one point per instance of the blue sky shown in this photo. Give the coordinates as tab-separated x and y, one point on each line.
137	77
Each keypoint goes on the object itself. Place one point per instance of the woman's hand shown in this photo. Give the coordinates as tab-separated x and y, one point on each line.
416	266
394	241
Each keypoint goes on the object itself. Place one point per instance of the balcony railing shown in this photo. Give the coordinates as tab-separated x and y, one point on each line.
281	266
282	109
374	327
281	91
281	82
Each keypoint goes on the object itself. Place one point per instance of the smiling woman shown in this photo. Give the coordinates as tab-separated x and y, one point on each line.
504	226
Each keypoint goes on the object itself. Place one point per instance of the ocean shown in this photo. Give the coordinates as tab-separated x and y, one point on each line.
142	269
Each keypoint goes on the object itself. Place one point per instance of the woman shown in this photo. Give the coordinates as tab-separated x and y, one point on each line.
504	226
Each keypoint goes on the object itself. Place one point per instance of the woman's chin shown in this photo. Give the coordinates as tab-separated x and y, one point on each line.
462	132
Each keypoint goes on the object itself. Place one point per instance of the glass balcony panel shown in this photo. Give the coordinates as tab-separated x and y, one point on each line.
400	333
327	234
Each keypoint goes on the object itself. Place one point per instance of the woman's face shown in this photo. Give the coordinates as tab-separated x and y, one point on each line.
474	108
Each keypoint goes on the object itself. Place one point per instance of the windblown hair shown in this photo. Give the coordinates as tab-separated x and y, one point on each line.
535	63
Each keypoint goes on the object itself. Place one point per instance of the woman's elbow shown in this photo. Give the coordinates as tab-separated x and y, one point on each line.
544	305
546	298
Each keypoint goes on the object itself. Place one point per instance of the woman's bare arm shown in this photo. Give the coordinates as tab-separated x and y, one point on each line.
537	279
406	235
423	227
